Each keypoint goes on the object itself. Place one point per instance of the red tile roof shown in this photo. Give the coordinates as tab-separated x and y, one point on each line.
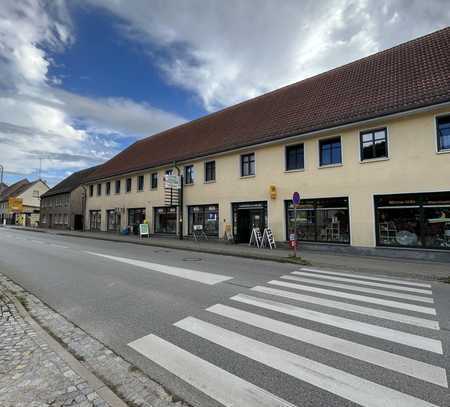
411	75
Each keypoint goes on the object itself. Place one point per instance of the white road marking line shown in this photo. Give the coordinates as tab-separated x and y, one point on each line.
356	297
343	384
364	328
360	289
373	312
387	360
217	383
199	276
58	245
363	282
366	277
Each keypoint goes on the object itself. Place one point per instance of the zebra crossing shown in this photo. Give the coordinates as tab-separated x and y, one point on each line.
308	306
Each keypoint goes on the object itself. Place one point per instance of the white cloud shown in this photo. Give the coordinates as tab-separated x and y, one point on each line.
228	51
38	120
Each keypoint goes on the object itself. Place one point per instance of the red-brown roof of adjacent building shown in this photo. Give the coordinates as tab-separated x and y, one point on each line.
411	75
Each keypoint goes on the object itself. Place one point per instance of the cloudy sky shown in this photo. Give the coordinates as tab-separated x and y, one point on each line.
82	79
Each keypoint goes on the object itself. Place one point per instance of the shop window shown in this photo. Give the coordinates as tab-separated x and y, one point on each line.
413	220
247	165
91	190
112	220
189	174
166	220
108	188
140	183
154	180
136	216
374	144
206	216
295	159
99	189
117	188
95	219
319	220
210	171
128	185
443	133
330	151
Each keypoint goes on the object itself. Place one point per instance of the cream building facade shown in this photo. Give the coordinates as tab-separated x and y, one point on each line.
371	171
413	165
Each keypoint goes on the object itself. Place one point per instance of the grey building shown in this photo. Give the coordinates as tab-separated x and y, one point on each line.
62	207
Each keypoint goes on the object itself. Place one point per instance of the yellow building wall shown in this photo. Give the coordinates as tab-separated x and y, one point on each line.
413	166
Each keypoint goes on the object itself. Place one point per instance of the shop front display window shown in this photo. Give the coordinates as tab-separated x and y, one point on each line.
166	220
413	220
320	220
206	216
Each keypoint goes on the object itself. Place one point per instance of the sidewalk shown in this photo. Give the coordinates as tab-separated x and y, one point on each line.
31	373
45	360
429	270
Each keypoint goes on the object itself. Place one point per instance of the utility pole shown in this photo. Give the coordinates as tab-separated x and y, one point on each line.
1	174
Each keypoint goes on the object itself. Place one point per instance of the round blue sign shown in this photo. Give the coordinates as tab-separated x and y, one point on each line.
295	198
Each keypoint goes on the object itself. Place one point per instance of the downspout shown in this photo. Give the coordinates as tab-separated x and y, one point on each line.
83	206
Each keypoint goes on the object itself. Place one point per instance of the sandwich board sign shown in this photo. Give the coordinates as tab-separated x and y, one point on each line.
255	238
268	239
144	230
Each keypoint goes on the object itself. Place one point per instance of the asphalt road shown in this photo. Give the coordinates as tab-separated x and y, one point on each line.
229	331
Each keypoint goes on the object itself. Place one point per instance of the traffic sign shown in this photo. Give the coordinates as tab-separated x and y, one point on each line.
296	198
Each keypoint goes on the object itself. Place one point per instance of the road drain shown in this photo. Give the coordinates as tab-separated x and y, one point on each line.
192	259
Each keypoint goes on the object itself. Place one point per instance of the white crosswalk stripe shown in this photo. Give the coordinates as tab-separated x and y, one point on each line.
375	356
360	289
357	297
363	282
343	384
365	277
220	385
217	383
344	306
415	341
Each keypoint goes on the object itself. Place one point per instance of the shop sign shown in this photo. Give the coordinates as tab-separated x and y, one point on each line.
296	198
144	230
172	181
15	204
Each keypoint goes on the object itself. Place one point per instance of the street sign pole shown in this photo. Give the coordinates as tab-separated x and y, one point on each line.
295	230
296	202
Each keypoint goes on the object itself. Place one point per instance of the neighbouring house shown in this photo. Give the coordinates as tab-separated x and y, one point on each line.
62	205
3	186
20	202
366	145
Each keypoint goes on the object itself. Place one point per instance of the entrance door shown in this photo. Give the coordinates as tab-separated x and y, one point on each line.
246	220
78	222
244	227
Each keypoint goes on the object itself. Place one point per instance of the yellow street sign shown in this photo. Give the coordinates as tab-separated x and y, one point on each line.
15	204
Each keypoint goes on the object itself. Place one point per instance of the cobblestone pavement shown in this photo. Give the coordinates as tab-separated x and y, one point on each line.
33	375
